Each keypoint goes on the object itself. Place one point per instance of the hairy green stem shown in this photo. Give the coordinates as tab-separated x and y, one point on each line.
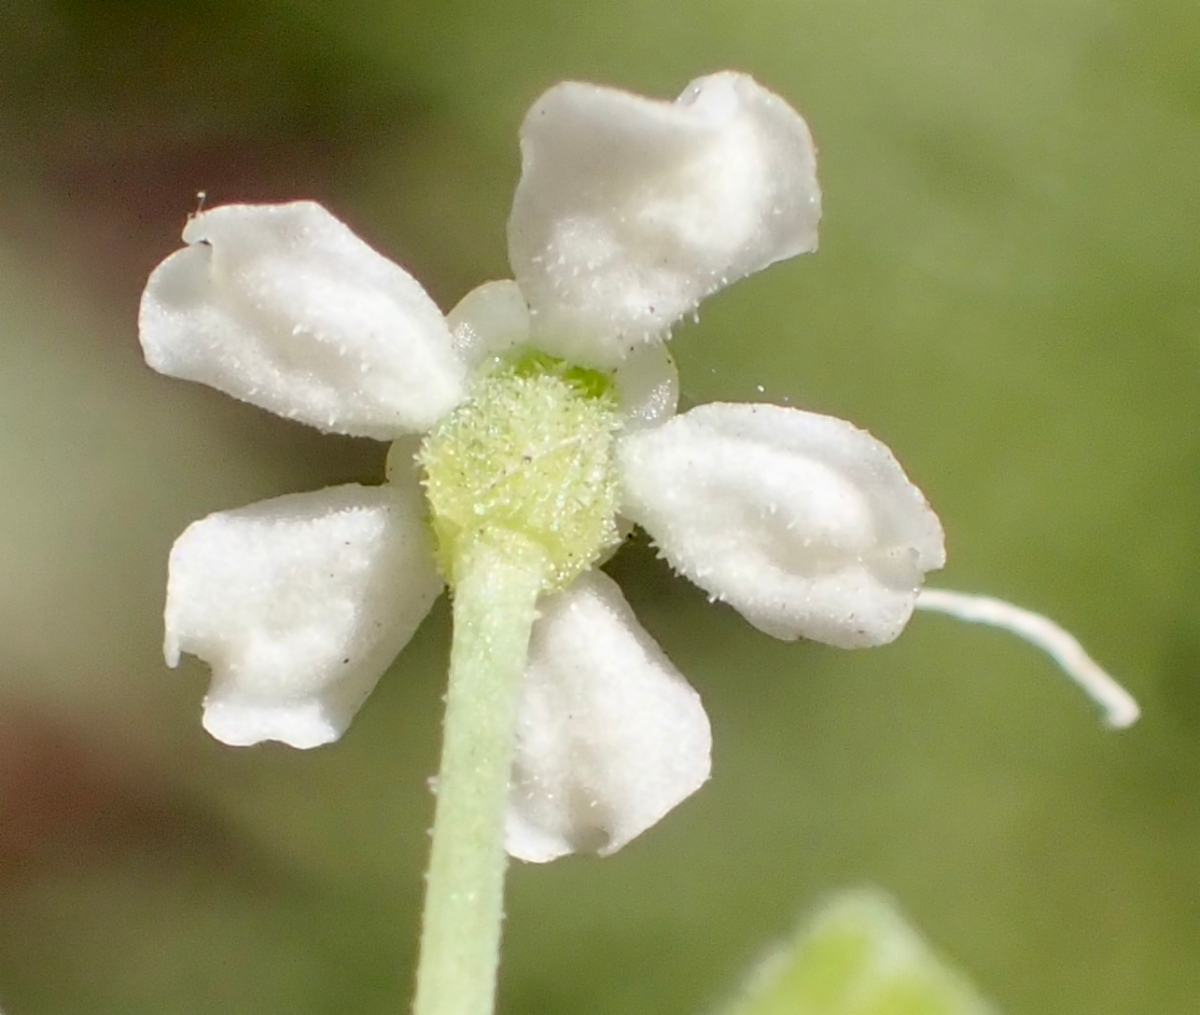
495	593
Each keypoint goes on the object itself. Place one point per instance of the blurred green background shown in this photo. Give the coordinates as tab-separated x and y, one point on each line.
1006	292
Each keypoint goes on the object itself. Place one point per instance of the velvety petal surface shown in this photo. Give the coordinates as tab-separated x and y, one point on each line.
631	210
610	737
299	604
284	307
804	523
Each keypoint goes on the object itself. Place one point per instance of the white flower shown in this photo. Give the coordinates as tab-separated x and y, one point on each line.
629	211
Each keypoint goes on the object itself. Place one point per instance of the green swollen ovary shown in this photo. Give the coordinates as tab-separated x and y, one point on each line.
526	461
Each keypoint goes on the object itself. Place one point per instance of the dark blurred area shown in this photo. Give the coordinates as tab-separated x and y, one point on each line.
123	112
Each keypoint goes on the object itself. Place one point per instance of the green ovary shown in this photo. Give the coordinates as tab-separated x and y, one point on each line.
526	461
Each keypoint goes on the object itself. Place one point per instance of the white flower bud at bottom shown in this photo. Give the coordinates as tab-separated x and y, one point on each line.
610	737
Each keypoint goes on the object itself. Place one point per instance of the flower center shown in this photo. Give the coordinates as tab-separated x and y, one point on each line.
526	461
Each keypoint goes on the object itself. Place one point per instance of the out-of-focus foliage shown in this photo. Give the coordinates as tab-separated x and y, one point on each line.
856	956
1006	293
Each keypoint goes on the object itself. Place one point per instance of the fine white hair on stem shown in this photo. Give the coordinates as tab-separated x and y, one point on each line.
1120	708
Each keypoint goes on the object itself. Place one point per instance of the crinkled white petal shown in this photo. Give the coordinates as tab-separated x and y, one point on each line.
299	604
803	523
631	210
610	737
491	319
284	307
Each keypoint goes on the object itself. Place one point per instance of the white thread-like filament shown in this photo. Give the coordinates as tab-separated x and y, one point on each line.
1120	708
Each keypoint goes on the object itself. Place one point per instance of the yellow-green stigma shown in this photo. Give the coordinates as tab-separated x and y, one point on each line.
526	461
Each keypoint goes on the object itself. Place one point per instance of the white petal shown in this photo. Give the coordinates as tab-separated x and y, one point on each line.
284	307
299	604
647	387
805	524
489	320
494	318
610	737
630	210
